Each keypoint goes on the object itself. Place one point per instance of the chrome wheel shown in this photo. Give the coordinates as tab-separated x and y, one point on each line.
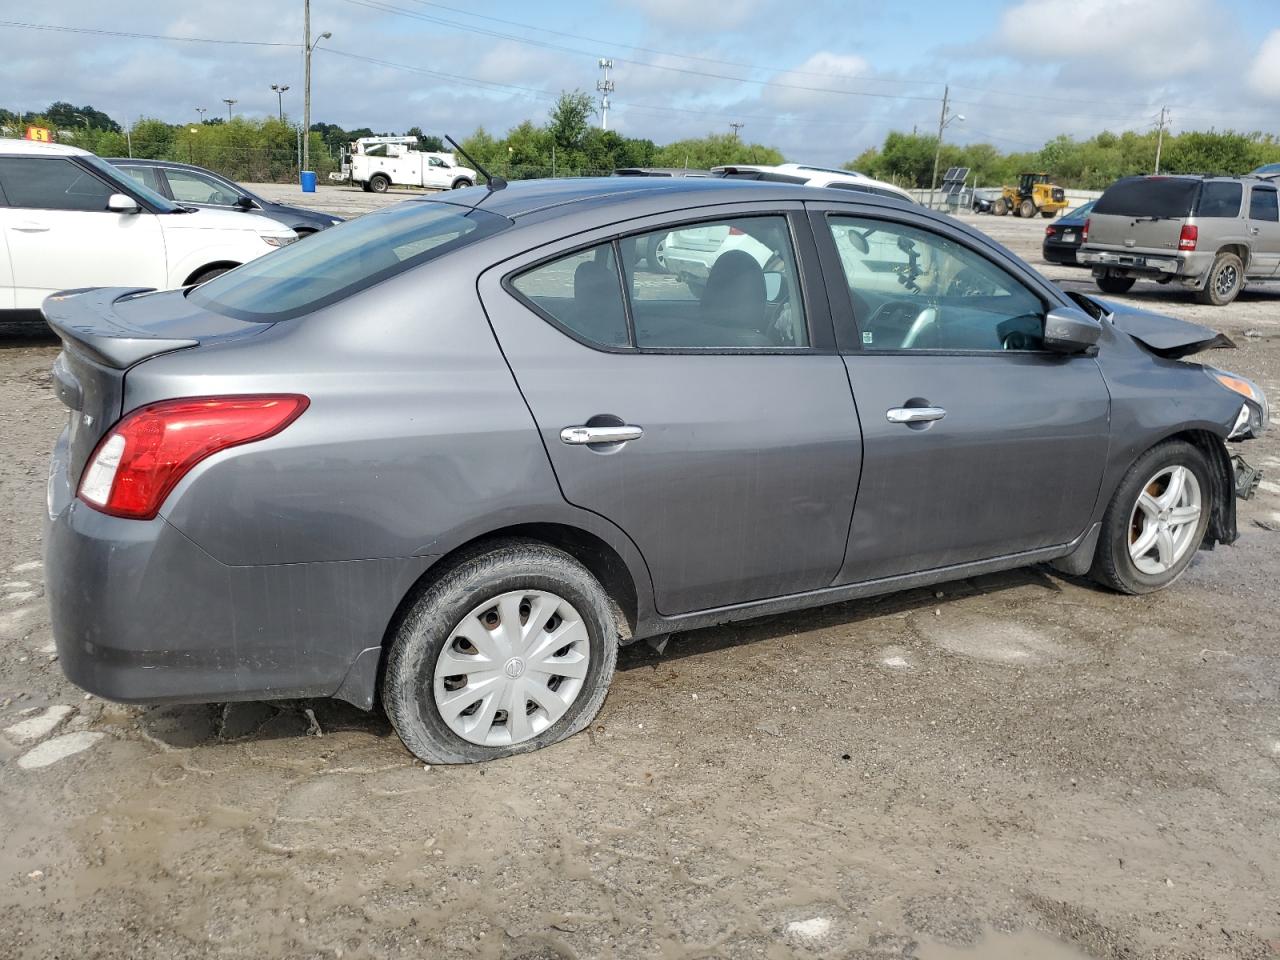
511	668
1226	280
1164	521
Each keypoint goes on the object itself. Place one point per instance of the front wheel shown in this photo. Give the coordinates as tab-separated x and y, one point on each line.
1156	520
510	650
1115	283
461	183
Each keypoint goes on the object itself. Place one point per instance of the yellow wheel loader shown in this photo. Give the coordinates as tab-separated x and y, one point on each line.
1033	194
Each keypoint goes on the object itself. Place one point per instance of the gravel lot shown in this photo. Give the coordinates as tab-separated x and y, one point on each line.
1016	766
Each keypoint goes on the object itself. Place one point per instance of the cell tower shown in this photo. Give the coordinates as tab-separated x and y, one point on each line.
605	87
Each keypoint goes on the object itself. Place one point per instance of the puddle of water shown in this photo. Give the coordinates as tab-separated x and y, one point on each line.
1023	945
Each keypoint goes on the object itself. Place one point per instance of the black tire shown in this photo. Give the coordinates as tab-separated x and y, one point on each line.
1112	564
431	621
1000	207
1027	208
364	185
379	183
1115	283
209	275
651	253
461	183
1226	280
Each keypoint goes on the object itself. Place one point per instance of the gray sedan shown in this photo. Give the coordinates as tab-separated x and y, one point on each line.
455	452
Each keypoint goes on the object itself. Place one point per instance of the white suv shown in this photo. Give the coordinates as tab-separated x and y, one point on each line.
813	177
69	220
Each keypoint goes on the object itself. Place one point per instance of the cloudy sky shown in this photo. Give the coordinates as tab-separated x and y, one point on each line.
822	80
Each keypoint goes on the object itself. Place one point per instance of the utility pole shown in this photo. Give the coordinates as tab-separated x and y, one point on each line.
605	87
230	103
280	88
202	111
308	48
1164	111
736	128
943	120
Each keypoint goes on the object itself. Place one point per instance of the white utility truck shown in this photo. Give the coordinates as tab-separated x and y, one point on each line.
378	163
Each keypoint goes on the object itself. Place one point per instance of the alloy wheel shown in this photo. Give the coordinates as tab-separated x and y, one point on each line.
1163	524
1226	280
511	668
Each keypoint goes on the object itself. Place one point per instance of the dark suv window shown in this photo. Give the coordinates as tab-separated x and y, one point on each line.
1149	197
51	183
1262	204
1219	198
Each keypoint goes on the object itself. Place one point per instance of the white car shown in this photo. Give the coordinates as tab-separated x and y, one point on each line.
70	220
690	253
813	177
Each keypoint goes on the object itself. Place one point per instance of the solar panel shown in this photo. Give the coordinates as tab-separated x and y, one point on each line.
956	175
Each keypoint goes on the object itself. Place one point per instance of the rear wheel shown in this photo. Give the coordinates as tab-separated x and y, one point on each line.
1156	520
510	650
1115	283
460	183
1000	207
209	275
379	183
1027	208
1226	279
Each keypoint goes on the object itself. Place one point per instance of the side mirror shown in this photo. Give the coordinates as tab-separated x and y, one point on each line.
243	203
122	203
1068	330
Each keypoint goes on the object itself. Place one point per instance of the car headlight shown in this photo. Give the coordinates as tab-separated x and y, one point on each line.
277	241
1256	415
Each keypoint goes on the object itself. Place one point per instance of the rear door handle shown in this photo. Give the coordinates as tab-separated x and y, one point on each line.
583	435
914	414
30	226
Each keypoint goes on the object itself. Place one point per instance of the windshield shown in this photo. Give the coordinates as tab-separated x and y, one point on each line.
343	260
127	184
1149	197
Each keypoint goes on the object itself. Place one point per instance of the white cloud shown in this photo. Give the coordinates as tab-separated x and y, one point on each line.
1264	75
1152	39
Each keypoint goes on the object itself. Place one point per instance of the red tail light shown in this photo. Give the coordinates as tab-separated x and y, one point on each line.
144	456
1188	237
735	232
1084	232
1050	231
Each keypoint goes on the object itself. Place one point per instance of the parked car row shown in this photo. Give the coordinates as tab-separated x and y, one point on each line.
452	454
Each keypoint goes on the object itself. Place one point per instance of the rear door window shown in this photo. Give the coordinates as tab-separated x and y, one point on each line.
147	176
581	293
1162	197
1220	198
1263	205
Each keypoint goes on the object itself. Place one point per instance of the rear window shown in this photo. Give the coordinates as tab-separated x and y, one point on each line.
1262	205
1219	198
343	260
1148	197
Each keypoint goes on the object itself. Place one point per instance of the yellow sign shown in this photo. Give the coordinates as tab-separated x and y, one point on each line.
42	134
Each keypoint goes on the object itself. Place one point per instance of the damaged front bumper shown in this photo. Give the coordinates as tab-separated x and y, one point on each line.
1247	477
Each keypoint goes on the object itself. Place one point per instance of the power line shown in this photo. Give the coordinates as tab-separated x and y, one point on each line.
141	36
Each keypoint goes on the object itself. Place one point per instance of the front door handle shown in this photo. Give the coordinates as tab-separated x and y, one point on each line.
29	226
584	435
914	414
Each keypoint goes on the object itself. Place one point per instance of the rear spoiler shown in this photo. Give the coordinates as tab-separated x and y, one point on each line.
87	320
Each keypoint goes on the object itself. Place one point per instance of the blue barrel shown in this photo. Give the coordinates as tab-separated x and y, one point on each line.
308	181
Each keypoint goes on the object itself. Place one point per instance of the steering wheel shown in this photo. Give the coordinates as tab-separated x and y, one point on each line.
924	320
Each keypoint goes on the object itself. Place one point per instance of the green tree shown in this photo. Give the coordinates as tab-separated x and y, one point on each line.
570	119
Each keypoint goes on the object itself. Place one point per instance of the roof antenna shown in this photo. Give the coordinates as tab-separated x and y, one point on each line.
492	182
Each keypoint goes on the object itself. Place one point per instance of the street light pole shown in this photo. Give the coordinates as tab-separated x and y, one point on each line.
308	48
202	111
230	103
280	88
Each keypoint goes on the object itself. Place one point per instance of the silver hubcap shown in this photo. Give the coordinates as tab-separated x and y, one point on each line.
1227	277
1164	521
511	668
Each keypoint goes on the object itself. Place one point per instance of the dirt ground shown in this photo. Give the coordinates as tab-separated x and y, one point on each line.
1016	766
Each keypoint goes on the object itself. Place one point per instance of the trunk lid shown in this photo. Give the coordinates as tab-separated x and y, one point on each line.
105	333
1143	213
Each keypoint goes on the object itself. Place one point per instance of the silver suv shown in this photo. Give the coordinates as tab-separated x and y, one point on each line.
1209	234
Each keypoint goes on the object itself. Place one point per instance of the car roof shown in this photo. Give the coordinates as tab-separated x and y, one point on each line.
660	172
523	198
34	148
